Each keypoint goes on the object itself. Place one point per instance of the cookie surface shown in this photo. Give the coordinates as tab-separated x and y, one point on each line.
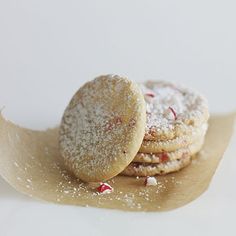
169	156
102	128
147	169
172	110
173	144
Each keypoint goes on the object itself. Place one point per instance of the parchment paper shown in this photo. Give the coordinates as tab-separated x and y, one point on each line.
31	163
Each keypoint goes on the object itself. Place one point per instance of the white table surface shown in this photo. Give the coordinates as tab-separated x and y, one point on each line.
49	48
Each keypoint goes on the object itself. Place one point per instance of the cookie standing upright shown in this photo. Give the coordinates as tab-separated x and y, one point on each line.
102	128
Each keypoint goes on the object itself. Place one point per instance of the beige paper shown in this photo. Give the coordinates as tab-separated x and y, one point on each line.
31	163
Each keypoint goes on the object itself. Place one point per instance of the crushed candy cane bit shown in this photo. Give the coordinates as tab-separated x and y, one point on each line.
150	181
150	94
111	124
173	112
104	188
164	157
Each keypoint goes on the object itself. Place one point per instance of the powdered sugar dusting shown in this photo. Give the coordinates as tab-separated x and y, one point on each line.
172	106
104	122
174	144
150	181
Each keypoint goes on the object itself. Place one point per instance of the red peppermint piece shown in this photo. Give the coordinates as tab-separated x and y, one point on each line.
111	124
104	188
150	94
164	157
173	112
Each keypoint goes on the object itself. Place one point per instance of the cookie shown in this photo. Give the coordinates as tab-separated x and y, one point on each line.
172	110
173	144
147	169
169	156
102	128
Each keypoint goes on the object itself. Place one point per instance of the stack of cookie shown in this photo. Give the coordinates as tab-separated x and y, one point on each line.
175	129
112	126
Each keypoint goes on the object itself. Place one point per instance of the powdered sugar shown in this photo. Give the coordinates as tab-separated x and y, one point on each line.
102	128
171	106
174	144
150	181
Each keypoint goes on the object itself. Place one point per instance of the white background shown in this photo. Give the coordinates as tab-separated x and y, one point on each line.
48	48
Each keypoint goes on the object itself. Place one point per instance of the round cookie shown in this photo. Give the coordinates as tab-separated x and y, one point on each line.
169	156
102	128
173	144
172	110
147	169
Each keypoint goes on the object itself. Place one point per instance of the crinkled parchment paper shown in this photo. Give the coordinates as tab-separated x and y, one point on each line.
31	163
